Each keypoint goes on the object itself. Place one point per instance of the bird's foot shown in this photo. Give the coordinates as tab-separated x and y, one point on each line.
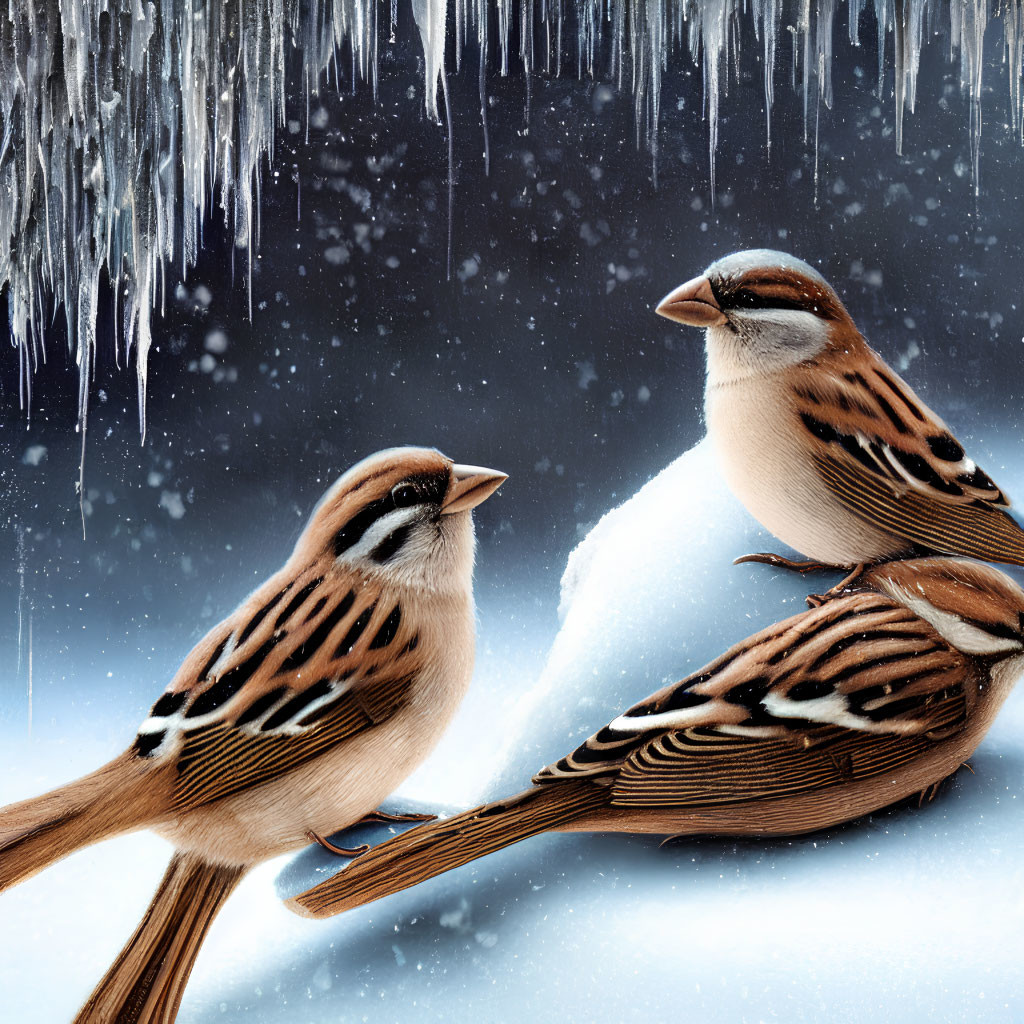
928	794
781	562
817	600
385	816
805	566
341	851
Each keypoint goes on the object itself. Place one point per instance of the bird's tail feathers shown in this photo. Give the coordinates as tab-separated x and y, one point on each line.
428	850
147	980
35	833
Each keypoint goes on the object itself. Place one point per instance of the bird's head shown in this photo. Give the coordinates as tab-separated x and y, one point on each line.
405	513
977	609
763	311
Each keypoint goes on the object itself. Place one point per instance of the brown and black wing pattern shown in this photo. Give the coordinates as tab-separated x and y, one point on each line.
856	687
706	768
977	530
300	667
890	460
216	761
877	420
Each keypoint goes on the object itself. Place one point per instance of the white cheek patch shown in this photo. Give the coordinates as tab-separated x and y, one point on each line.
763	341
379	532
963	635
792	335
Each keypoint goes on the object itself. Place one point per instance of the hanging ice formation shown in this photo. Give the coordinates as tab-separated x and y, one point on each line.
123	125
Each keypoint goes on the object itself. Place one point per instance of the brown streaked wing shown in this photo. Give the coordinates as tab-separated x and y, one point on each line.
857	685
910	697
872	419
847	632
978	530
218	760
343	659
606	750
318	627
704	768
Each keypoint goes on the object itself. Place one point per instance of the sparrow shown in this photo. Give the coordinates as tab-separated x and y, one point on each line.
818	437
877	694
296	715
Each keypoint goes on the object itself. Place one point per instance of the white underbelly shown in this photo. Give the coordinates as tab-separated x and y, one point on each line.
755	437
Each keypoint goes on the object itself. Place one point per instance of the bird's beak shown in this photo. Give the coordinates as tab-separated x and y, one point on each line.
693	303
470	486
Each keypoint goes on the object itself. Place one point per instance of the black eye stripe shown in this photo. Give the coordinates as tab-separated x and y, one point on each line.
747	298
430	487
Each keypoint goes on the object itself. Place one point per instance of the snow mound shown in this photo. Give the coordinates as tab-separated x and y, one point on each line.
648	596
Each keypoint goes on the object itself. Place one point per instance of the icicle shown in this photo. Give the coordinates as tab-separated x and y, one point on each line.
713	37
817	126
482	43
803	29
823	36
451	170
30	674
767	14
854	11
1013	37
655	30
908	26
968	20
431	19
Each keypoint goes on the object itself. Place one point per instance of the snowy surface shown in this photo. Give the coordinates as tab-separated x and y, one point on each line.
910	914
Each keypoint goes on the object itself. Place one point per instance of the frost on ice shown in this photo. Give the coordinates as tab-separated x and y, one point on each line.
123	126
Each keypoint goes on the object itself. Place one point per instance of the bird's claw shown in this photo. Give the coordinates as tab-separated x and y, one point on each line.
805	566
781	562
341	851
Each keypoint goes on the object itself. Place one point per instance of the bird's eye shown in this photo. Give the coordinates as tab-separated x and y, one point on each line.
405	495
